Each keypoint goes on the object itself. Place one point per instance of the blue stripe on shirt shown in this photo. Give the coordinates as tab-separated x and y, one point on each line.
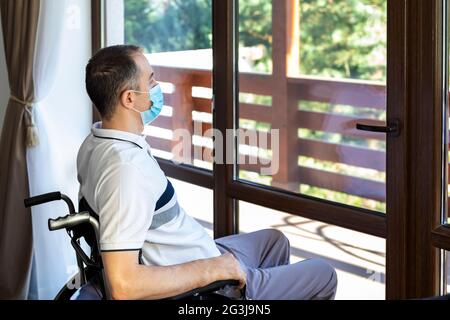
165	197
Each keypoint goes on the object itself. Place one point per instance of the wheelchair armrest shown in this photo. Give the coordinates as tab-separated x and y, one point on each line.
207	289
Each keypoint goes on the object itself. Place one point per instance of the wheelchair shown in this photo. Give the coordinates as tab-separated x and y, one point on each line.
90	281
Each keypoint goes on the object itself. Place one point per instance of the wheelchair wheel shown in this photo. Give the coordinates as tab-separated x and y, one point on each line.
66	292
89	291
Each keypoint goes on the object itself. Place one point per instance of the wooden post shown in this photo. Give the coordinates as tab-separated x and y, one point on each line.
182	106
293	37
285	22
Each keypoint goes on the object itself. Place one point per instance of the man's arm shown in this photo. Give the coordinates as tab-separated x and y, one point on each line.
128	280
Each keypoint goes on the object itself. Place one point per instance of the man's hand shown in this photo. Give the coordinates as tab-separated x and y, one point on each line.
232	269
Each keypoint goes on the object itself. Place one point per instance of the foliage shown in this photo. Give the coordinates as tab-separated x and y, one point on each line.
338	38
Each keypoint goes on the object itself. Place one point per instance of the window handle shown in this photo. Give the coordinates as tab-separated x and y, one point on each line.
393	128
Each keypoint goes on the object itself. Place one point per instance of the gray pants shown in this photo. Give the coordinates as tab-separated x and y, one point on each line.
264	257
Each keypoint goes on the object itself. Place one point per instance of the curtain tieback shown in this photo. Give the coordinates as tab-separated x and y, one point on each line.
32	138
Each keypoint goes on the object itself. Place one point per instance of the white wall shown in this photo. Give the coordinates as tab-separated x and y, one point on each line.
4	85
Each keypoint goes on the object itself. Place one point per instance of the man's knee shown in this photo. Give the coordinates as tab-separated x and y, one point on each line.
280	240
328	279
277	236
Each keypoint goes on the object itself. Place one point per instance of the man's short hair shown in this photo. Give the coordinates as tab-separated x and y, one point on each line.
109	72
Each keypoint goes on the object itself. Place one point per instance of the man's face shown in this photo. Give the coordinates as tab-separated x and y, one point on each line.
146	82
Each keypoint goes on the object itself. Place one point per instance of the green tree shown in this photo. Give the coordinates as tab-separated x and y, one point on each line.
339	38
343	38
168	25
255	29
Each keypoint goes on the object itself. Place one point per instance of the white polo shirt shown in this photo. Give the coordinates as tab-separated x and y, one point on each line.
136	204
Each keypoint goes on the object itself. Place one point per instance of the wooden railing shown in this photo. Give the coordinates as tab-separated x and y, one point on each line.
357	94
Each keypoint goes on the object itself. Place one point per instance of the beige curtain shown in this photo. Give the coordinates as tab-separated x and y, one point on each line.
19	22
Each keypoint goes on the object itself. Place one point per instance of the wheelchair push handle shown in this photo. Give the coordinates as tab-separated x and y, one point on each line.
49	197
43	198
69	221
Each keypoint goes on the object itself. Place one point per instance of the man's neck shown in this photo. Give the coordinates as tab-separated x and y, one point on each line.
127	125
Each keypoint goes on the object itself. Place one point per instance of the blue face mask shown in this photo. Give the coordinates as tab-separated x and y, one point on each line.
157	99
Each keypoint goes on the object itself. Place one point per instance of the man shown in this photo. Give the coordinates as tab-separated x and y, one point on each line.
151	248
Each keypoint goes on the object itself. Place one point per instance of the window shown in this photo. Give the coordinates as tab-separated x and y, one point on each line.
302	96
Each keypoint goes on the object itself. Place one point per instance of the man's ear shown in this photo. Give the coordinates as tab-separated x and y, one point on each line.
127	99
